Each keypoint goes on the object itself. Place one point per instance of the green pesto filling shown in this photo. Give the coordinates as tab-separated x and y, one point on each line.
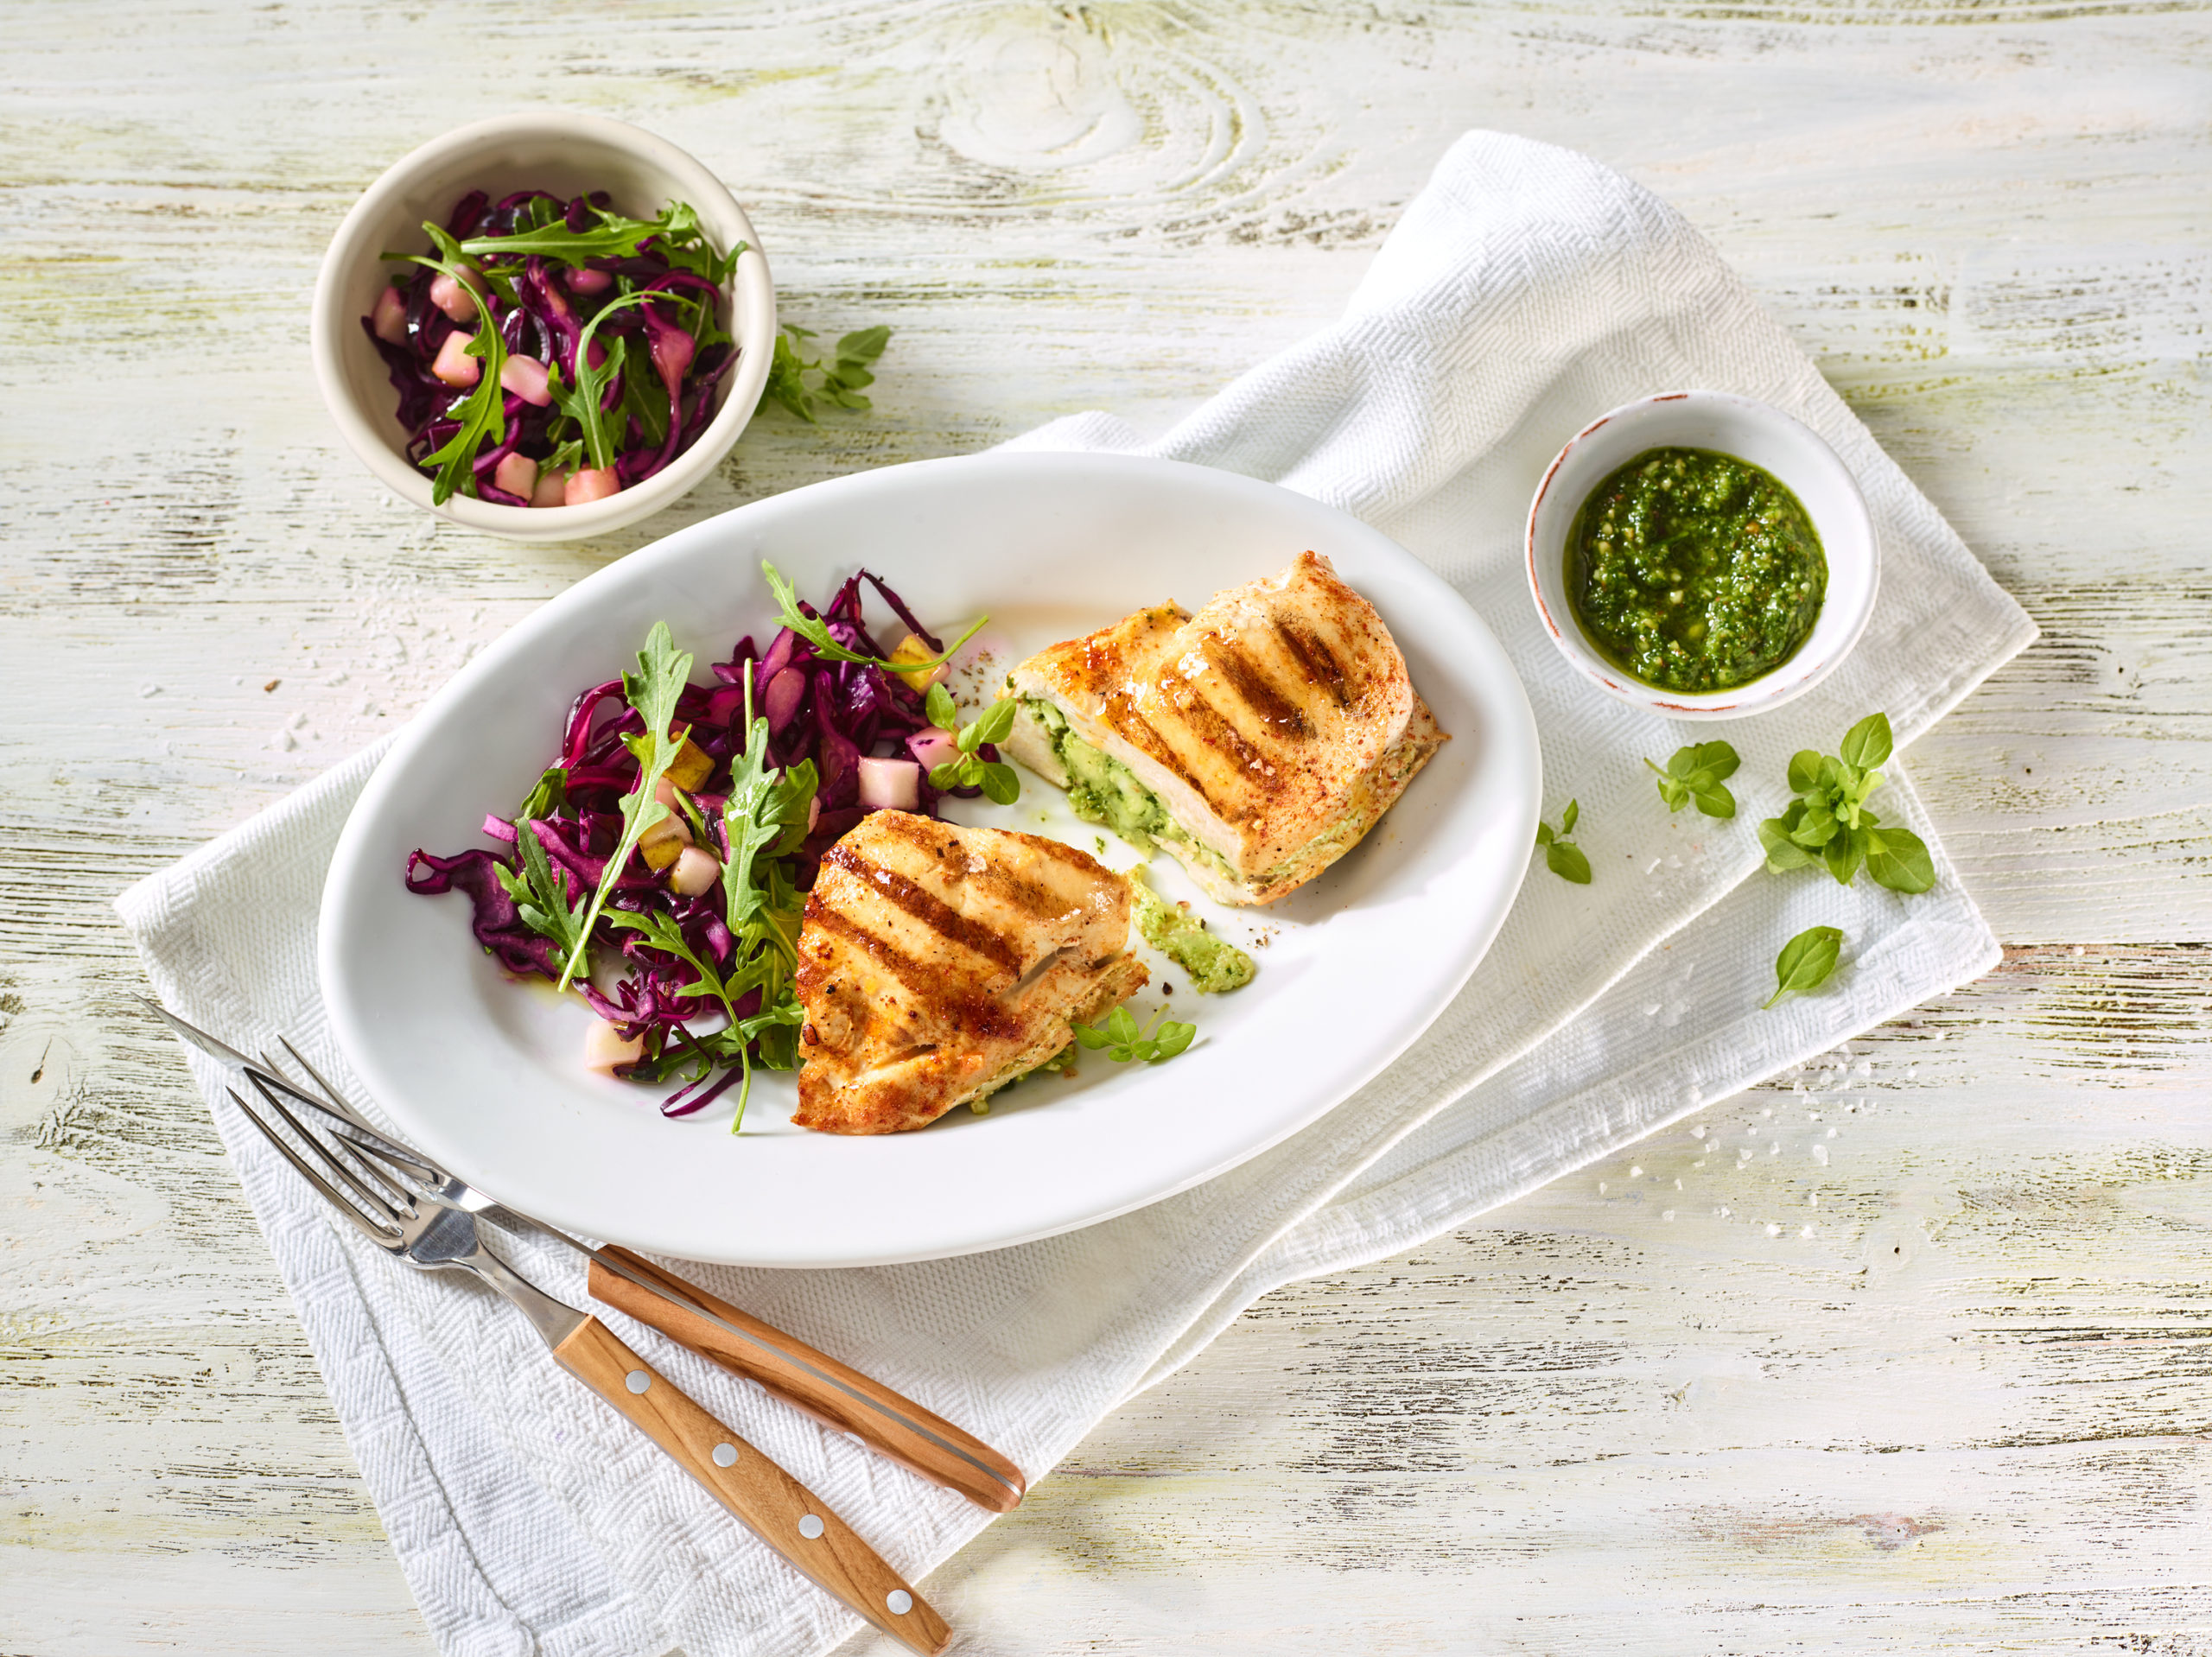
1101	788
1214	965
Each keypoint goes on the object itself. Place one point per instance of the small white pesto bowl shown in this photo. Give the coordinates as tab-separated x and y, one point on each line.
568	153
1750	430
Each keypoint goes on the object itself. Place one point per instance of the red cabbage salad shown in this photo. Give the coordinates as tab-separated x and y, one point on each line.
658	867
605	343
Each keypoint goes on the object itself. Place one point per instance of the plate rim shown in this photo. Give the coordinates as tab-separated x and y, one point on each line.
348	858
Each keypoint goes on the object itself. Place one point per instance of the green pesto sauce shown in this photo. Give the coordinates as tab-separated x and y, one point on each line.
1214	965
1694	571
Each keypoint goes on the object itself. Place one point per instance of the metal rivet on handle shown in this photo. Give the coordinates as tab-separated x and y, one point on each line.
899	1601
725	1454
638	1380
810	1528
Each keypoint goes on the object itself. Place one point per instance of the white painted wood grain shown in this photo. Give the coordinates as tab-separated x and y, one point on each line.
1968	1412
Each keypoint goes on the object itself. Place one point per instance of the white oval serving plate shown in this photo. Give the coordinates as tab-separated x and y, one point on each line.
483	1072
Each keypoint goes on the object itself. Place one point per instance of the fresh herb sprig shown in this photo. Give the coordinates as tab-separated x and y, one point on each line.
683	243
1806	962
997	780
1124	1040
837	382
482	413
764	820
816	632
1828	824
1561	855
663	672
541	894
1696	772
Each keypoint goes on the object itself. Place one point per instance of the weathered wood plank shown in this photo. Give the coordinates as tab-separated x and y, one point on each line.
1586	1425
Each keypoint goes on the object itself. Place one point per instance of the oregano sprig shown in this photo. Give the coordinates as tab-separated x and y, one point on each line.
1696	772
1561	855
1829	823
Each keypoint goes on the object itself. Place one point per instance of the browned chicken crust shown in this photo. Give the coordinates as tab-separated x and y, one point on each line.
937	963
1277	725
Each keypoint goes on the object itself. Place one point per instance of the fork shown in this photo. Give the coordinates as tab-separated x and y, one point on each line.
830	1391
761	1495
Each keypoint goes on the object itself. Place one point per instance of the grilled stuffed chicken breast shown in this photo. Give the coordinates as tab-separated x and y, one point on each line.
1256	741
937	963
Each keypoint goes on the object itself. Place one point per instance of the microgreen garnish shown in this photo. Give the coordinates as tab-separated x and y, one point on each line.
663	672
1561	855
1696	772
816	632
1828	824
1805	962
548	797
997	780
541	895
1124	1041
837	383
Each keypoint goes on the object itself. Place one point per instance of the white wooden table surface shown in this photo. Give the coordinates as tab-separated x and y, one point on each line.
1971	1410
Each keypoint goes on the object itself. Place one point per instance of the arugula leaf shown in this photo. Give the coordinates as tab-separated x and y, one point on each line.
682	243
816	632
662	933
1805	962
1561	855
548	797
1696	772
580	402
1124	1041
764	820
541	894
997	780
663	672
482	413
837	383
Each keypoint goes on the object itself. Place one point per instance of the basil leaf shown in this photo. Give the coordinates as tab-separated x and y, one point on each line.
1805	962
1543	833
1568	863
1091	1038
1567	818
1804	771
1866	744
1844	854
1782	852
1716	802
997	722
1899	859
1173	1039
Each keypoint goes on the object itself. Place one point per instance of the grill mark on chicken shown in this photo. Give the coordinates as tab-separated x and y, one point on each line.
927	909
1236	664
1121	713
1315	659
1038	902
1207	725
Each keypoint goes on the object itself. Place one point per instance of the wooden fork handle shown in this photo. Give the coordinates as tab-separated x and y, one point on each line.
833	1393
765	1500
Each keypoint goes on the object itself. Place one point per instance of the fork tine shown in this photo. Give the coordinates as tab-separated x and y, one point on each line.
359	1135
395	1197
384	1237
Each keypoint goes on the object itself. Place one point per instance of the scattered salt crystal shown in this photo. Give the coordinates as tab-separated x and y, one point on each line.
1635	1173
1821	1155
1774	1231
1804	1231
1667	1214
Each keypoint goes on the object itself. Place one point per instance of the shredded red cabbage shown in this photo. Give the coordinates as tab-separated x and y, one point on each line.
830	713
676	348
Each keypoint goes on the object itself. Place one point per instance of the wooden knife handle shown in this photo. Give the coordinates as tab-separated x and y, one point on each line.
834	1393
768	1501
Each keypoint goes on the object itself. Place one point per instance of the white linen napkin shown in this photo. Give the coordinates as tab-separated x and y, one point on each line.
1526	289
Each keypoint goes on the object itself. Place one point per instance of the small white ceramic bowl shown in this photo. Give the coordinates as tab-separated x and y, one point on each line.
1750	430
569	154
